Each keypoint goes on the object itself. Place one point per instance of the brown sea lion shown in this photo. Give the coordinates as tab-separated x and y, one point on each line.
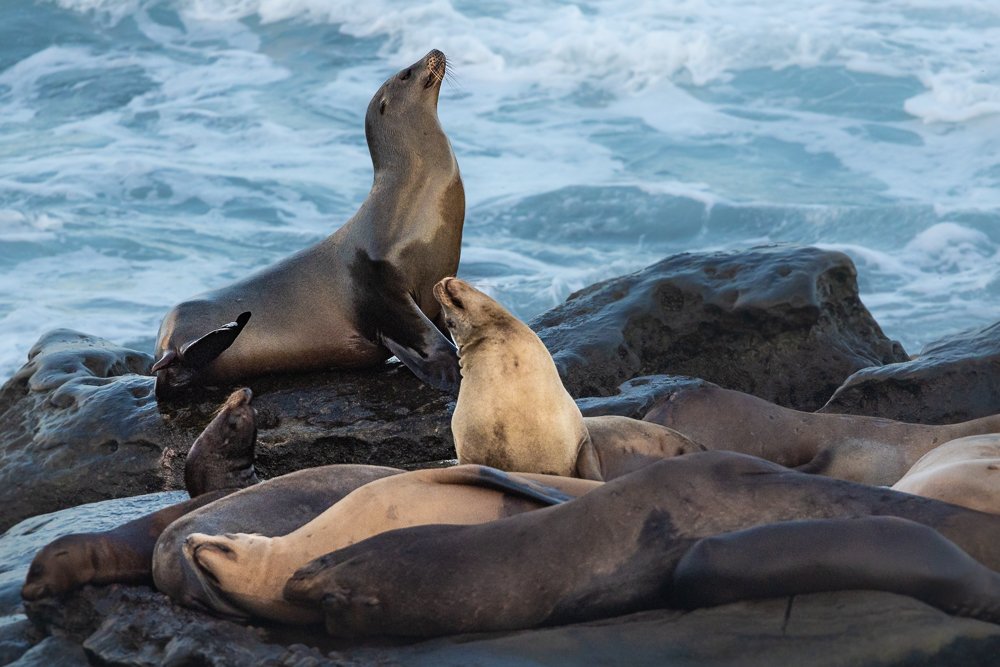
617	550
963	472
223	455
249	571
274	507
513	411
219	463
871	450
362	294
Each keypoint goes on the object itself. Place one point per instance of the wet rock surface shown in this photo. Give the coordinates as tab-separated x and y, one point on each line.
79	423
135	626
783	323
952	380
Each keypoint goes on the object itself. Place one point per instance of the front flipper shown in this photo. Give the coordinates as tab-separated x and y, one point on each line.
498	480
178	370
424	349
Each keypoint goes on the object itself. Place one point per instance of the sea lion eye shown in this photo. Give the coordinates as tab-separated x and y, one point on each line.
404	76
381	108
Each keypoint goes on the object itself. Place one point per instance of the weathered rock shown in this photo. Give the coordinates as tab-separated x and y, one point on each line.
79	423
954	379
783	323
16	637
53	651
637	396
135	626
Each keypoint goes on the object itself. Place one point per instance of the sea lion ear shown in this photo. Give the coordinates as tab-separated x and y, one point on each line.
203	351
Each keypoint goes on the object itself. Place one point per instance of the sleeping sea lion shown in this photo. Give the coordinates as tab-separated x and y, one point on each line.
274	507
249	571
362	294
871	450
963	472
627	546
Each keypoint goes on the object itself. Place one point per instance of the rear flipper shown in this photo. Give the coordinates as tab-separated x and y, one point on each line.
178	371
421	346
874	553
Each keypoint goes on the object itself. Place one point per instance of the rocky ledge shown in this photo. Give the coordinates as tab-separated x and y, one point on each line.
79	423
952	380
126	626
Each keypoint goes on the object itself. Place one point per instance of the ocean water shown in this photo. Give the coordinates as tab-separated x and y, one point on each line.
152	149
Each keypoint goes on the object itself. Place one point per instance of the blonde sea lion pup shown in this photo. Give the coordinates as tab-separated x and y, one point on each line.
870	450
513	411
247	573
962	472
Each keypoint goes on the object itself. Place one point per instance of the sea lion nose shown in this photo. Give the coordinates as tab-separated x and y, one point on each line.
435	60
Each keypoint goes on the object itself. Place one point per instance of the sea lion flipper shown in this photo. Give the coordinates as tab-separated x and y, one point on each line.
202	351
881	553
431	356
494	478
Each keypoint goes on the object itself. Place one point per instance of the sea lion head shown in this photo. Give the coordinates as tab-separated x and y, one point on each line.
60	567
226	566
401	124
470	314
223	455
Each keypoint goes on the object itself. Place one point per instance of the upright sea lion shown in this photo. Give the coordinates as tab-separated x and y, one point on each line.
513	411
362	294
871	450
963	472
223	455
249	572
517	572
219	463
274	507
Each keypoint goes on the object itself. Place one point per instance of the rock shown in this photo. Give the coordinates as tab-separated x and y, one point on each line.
636	397
53	651
783	323
79	423
954	379
135	626
16	638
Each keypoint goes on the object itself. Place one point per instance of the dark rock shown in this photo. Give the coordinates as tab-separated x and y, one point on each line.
135	626
16	637
79	423
952	380
783	323
53	651
636	397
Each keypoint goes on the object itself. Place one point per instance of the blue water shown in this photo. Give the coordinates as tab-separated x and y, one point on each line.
152	149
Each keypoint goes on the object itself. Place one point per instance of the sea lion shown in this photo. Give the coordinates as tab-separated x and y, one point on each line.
274	507
963	472
223	455
513	411
871	450
362	294
249	572
123	555
627	538
220	462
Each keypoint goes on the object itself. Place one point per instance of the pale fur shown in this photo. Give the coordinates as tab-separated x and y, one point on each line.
513	411
962	472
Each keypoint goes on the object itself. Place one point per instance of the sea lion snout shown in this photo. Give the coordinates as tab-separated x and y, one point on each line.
447	291
436	65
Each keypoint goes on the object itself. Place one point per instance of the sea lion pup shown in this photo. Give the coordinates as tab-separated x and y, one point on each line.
219	463
359	296
513	411
274	507
863	449
962	472
223	455
249	572
637	530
